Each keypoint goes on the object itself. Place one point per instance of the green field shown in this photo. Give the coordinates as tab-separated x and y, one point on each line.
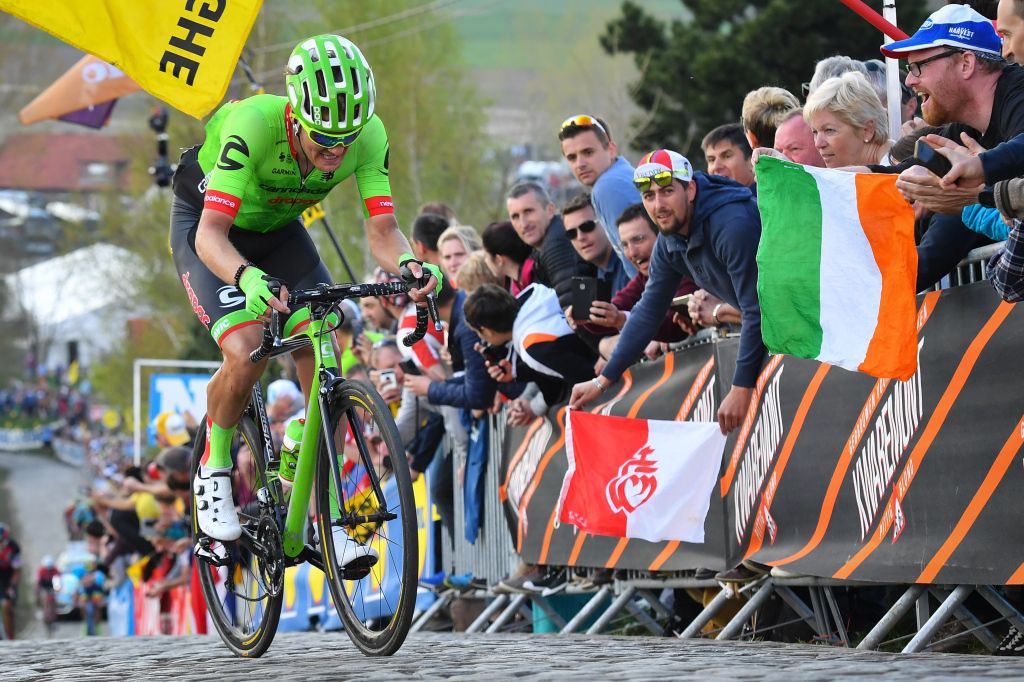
527	34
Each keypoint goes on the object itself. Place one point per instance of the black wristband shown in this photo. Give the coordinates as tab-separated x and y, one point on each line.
240	270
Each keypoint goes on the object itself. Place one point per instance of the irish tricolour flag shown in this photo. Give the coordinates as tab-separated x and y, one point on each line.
640	478
837	268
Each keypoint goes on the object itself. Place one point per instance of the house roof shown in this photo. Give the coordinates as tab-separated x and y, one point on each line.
67	162
76	283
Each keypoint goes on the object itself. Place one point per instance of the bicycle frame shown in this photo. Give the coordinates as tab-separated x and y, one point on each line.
326	377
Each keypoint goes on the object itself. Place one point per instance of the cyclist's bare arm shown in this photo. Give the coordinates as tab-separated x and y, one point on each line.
219	254
387	244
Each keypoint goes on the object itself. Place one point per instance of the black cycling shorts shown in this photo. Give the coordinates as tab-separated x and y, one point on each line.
287	254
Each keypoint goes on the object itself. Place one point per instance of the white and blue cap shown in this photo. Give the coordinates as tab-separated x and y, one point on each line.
956	26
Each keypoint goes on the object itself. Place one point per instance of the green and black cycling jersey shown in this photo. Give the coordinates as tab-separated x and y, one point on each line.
248	167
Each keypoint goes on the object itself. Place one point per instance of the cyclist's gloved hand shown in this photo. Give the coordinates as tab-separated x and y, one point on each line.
428	269
253	284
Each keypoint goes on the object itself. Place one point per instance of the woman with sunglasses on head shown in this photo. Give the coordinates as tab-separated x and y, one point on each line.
235	225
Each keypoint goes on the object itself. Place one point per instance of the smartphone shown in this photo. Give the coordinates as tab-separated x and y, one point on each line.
931	159
681	304
388	378
494	354
586	290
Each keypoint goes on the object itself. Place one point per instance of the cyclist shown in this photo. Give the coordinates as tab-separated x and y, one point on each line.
45	588
10	573
235	224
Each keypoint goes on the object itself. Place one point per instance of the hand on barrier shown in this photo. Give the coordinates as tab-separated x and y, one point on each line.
733	409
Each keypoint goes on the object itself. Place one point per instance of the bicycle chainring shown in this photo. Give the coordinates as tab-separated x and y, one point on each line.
271	563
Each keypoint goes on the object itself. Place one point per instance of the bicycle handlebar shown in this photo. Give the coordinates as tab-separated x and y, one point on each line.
328	294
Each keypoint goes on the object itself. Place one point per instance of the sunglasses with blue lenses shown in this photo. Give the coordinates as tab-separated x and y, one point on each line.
329	141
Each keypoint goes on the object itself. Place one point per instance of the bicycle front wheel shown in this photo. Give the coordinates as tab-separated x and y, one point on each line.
365	500
242	580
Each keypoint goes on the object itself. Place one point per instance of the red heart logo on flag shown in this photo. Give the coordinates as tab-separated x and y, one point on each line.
634	484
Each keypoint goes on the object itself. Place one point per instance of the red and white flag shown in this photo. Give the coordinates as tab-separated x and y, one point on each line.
640	478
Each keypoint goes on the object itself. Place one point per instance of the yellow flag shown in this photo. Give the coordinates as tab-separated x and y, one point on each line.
182	52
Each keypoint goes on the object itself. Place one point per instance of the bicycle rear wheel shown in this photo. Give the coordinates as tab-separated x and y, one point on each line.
366	494
242	581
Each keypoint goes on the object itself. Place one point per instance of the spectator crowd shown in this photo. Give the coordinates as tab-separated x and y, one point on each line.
554	303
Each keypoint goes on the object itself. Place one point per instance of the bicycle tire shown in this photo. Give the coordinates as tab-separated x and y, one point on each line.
376	620
246	630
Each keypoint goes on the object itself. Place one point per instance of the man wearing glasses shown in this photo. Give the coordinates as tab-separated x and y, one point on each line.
235	222
709	229
594	159
955	65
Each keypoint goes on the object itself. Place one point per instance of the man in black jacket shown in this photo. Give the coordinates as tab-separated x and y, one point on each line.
955	65
536	222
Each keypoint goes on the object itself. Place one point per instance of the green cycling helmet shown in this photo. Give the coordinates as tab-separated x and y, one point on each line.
330	85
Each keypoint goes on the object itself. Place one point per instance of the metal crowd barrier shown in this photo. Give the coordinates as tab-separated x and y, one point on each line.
633	596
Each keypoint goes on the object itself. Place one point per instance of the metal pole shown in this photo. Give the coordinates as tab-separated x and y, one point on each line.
1000	604
892	79
507	614
938	619
645	619
137	410
492	608
734	626
337	247
442	600
705	616
549	610
616	606
587	611
872	17
892	616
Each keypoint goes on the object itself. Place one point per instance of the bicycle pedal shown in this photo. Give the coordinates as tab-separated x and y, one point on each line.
359	568
209	554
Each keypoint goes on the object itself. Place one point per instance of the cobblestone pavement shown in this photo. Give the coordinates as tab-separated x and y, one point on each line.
330	656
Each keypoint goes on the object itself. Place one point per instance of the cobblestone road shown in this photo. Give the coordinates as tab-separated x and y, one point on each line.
330	656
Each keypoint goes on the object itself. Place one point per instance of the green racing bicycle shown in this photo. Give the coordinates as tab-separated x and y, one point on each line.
352	459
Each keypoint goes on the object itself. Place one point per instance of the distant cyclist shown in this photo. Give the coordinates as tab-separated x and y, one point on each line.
10	573
235	224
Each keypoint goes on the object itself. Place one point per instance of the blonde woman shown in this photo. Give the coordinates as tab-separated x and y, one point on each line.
475	272
455	244
848	121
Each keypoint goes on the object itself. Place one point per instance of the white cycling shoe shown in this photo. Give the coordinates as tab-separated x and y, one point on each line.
215	506
352	556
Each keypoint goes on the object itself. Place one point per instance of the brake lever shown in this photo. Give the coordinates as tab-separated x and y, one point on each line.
275	317
432	309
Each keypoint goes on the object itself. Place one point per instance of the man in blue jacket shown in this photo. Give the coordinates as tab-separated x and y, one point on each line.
708	228
471	387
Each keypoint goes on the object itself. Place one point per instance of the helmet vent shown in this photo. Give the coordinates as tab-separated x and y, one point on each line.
339	80
306	107
321	84
357	90
341	105
325	116
314	54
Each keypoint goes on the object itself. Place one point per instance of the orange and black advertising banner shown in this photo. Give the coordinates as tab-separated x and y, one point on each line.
835	474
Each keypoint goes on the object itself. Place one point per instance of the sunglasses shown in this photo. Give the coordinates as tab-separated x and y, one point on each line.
661	179
583	121
586	227
330	141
